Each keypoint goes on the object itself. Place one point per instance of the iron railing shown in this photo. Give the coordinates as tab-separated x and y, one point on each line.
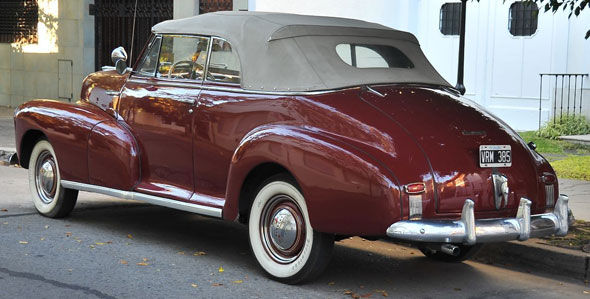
564	97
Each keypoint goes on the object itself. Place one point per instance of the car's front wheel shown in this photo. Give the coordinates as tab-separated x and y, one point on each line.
50	198
281	237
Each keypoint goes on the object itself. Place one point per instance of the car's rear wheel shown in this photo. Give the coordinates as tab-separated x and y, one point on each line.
50	198
281	237
466	252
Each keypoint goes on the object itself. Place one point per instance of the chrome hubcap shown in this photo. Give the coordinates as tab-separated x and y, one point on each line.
46	177
282	229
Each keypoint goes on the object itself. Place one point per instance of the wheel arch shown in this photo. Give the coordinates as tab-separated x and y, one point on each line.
252	182
27	143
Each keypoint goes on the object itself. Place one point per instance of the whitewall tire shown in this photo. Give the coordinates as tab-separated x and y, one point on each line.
281	236
50	198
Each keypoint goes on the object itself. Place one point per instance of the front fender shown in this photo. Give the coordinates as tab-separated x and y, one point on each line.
66	126
347	192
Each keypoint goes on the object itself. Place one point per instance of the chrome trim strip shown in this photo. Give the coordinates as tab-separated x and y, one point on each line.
197	84
281	93
470	231
371	90
162	82
160	201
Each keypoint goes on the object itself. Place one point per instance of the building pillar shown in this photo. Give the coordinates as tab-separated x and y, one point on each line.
185	8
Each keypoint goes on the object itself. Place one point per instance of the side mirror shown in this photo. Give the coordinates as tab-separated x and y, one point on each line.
121	66
119	57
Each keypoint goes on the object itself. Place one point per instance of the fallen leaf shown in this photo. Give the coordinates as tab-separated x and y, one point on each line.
68	234
237	281
384	294
70	270
4	210
43	239
23	242
101	243
368	295
457	289
78	240
586	292
144	259
123	262
331	283
221	270
142	264
194	285
180	252
129	236
217	284
198	253
46	226
348	292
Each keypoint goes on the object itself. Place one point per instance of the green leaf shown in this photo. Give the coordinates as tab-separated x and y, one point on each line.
588	34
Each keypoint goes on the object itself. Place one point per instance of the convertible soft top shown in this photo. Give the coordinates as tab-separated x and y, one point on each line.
289	52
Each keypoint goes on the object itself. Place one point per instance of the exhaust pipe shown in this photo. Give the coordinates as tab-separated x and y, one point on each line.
450	249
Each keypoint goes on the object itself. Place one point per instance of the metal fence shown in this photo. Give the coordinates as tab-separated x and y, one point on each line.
567	93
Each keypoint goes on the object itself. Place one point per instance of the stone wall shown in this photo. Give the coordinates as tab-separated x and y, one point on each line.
66	32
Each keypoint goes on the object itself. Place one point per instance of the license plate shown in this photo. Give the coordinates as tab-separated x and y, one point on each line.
495	156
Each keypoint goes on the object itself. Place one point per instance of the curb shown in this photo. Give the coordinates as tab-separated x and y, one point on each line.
539	257
6	157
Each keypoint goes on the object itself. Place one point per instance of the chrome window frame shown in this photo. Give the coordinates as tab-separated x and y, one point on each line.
209	60
142	61
184	80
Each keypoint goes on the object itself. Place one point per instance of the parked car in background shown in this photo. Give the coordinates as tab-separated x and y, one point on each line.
306	129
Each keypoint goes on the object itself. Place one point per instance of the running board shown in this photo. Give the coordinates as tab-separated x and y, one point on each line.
160	201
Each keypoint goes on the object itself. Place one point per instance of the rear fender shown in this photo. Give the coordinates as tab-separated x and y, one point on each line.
346	191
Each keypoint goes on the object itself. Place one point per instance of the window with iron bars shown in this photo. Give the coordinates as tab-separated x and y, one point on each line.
523	18
206	6
450	18
18	21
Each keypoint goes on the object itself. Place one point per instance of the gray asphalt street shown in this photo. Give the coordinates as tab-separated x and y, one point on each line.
110	248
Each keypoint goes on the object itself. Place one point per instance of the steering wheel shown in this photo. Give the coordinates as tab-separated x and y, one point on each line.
182	63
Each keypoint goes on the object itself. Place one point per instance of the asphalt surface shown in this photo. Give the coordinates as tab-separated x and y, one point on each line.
110	248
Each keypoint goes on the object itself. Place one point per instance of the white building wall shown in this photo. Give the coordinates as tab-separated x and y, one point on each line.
501	70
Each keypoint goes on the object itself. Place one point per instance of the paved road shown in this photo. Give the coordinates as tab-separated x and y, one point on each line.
95	254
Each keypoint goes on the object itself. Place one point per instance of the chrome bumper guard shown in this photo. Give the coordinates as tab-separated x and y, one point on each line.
470	231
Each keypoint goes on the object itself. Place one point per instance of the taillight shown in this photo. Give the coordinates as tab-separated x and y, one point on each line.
415	188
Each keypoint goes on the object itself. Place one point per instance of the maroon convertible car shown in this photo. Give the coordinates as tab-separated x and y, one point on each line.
306	129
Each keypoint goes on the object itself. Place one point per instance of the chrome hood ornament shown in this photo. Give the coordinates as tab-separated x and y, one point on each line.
501	190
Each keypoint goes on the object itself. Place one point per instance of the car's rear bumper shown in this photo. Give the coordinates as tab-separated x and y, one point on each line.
470	231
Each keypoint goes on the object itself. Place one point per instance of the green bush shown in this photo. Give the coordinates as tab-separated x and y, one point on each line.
566	125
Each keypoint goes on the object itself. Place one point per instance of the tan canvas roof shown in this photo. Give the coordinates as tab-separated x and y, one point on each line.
289	52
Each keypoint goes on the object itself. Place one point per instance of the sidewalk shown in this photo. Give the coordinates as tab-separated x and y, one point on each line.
7	130
581	139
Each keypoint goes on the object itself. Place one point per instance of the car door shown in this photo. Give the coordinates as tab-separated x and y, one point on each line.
157	103
221	120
